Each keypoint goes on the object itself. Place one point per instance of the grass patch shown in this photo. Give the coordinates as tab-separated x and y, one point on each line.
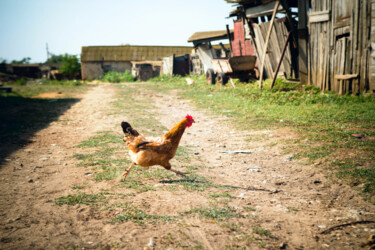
136	215
214	213
261	231
221	195
81	198
103	138
324	121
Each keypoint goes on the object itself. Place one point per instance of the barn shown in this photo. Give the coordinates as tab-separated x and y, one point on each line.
328	43
97	60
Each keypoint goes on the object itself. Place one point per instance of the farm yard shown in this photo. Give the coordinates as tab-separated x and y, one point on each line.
246	124
290	168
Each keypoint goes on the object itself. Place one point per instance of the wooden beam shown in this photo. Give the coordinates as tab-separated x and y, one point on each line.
230	41
346	77
266	44
281	59
319	16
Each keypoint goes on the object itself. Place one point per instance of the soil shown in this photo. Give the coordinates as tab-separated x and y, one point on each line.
295	202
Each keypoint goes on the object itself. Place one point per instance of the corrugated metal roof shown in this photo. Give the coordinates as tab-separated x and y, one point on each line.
131	53
208	35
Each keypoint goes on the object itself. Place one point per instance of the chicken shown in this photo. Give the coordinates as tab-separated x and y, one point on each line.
148	151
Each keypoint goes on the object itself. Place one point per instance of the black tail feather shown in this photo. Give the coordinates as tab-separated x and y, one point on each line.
127	128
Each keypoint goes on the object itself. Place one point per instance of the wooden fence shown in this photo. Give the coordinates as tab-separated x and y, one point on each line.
274	49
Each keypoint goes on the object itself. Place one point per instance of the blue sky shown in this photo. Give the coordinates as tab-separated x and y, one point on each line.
67	25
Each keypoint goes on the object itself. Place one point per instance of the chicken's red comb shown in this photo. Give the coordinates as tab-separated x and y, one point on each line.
189	117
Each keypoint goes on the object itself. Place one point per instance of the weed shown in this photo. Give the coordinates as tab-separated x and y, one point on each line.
261	231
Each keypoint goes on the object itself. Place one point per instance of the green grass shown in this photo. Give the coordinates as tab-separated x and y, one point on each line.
323	120
80	198
214	213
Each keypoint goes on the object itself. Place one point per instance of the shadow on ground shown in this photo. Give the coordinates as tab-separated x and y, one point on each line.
21	118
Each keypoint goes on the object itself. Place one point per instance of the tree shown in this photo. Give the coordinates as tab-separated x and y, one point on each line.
55	58
24	60
71	66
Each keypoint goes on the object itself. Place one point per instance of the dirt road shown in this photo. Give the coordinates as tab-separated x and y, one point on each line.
245	191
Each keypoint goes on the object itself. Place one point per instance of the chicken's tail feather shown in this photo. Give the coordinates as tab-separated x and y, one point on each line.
142	144
127	128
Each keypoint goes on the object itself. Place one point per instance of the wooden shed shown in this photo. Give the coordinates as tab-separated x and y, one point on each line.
97	60
335	40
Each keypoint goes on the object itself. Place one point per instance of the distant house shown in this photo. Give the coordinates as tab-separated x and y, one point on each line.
97	60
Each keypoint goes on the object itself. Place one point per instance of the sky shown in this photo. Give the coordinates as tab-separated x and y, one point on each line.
26	26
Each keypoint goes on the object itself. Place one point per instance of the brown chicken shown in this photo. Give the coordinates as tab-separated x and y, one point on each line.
149	151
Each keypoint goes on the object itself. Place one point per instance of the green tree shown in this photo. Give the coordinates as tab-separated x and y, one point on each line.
55	59
71	67
24	60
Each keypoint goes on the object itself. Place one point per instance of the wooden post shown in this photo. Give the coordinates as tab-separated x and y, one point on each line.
230	41
281	59
266	44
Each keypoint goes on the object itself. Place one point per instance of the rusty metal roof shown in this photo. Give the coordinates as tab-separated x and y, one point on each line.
131	53
212	35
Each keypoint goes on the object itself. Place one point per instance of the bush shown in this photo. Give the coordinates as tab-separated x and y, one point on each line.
21	82
116	77
71	67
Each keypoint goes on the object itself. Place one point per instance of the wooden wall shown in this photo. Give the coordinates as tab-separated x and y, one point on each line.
339	45
372	52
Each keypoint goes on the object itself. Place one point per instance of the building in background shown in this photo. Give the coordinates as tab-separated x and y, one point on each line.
97	60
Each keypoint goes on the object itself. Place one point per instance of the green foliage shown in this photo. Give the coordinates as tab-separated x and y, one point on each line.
116	77
283	85
55	58
71	66
24	60
21	82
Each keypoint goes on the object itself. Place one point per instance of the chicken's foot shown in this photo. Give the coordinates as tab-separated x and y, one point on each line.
127	171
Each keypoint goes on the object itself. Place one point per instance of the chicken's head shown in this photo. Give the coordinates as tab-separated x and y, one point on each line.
189	120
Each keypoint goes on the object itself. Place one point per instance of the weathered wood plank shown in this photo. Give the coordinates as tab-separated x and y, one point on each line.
319	16
346	77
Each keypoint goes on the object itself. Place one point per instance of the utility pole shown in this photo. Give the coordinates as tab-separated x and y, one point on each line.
47	51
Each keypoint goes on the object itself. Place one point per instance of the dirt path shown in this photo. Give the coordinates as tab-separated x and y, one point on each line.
274	200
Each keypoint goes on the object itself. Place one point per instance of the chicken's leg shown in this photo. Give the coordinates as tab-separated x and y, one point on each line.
127	171
177	172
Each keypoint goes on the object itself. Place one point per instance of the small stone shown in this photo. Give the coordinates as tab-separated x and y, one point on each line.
322	226
241	195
